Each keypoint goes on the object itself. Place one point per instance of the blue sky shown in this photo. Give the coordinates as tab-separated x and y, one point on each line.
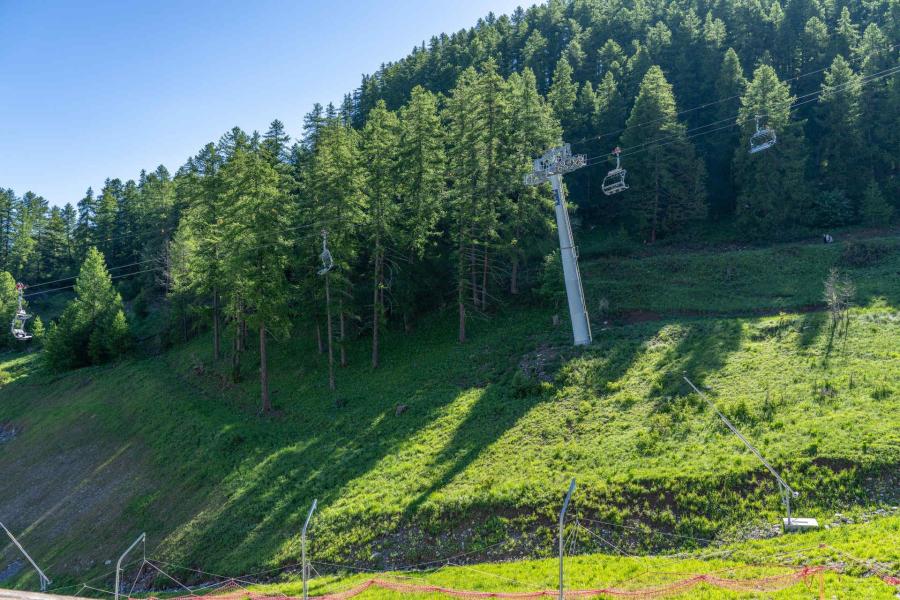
90	90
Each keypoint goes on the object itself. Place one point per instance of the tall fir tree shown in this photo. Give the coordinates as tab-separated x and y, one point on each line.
670	189
379	151
838	119
771	186
256	225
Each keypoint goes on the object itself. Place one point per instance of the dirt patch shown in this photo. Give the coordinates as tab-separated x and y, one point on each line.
11	570
8	432
539	364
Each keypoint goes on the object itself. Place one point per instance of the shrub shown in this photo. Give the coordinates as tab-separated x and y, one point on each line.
830	209
861	254
874	209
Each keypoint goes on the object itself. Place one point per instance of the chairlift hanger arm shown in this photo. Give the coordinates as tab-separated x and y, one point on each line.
747	443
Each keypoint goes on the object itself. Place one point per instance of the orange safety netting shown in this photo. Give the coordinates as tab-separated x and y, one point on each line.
233	591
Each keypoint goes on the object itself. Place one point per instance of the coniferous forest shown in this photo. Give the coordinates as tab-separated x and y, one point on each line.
414	183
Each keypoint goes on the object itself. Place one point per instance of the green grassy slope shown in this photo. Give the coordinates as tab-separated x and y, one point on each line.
491	432
849	550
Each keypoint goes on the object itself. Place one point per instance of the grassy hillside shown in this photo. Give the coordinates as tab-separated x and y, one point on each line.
849	550
451	448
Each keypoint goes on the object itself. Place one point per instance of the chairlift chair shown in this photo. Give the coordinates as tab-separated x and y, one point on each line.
614	182
762	139
18	322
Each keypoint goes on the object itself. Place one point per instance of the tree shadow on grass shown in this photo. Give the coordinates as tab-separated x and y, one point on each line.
336	454
703	349
499	408
810	327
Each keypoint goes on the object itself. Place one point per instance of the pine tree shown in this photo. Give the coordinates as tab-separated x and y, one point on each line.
563	94
380	138
421	169
203	224
492	117
874	209
771	186
85	232
585	111
54	252
256	223
332	199
730	86
422	185
8	202
9	303
466	168
92	329
670	191
275	142
611	60
526	211
838	120
847	33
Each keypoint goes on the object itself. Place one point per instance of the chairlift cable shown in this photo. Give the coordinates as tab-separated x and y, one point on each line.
720	101
811	97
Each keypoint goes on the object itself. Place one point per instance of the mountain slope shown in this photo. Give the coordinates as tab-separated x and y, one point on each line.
451	447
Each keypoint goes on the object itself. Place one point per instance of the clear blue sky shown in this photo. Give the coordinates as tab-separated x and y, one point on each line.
95	89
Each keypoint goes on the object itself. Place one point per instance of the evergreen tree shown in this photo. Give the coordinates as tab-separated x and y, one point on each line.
8	203
527	210
670	191
421	169
466	167
838	119
771	186
55	252
874	209
92	329
85	233
422	187
203	225
256	225
730	86
9	303
379	150
563	94
275	142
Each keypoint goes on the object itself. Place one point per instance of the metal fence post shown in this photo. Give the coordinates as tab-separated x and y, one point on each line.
45	581
305	564
562	517
140	538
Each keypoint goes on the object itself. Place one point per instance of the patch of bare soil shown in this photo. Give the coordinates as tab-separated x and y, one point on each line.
540	364
8	432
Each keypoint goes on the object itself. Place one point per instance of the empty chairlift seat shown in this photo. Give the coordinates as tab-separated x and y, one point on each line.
762	139
614	182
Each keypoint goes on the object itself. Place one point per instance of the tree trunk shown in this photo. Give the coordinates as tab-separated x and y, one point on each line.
461	293
330	335
264	370
244	335
514	276
473	277
376	307
236	355
484	281
343	337
319	338
216	335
